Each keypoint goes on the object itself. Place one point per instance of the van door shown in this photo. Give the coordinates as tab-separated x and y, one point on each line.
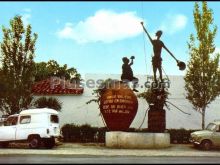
8	131
23	128
54	123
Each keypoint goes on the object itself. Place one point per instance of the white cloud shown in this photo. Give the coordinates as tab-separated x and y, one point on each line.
217	50
173	23
105	26
27	10
26	16
26	19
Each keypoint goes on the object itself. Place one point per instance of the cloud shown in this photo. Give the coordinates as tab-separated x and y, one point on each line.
217	50
27	10
105	25
26	19
26	16
174	23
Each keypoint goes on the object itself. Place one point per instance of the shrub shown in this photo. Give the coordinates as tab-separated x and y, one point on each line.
86	133
83	133
71	133
44	102
180	135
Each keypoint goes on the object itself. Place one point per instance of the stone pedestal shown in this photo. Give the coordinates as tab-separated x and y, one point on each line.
134	140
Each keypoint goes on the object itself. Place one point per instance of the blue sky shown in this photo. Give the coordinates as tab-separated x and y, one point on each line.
94	36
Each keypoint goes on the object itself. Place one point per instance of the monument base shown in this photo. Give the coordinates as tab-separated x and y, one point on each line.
136	140
156	120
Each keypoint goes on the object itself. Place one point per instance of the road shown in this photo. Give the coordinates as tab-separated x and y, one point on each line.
92	153
73	159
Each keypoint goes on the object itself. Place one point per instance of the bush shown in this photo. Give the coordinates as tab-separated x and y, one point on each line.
44	102
71	133
83	133
86	133
180	136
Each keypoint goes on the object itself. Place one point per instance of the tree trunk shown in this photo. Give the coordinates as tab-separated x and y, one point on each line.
203	117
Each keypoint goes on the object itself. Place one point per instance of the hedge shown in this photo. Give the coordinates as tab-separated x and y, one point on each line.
86	133
83	133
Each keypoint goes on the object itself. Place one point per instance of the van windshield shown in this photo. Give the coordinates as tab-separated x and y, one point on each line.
54	119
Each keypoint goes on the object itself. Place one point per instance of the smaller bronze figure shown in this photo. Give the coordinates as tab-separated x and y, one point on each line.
127	73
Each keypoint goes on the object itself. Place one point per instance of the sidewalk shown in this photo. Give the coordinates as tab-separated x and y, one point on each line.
97	149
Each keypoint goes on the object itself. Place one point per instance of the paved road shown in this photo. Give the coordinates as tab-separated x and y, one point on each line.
34	159
98	153
75	149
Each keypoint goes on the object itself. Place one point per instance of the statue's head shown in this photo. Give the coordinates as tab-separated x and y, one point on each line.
125	60
159	33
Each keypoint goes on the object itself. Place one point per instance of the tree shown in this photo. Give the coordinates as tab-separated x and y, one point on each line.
203	73
2	86
52	68
44	102
18	51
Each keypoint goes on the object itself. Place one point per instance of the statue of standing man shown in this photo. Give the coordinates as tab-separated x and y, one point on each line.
157	47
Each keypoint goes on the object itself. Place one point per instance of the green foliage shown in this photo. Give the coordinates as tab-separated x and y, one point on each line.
44	102
83	133
180	135
52	68
203	73
2	86
157	96
87	133
70	132
17	72
100	90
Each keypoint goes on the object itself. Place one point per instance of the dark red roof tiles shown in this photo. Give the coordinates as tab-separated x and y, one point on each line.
53	86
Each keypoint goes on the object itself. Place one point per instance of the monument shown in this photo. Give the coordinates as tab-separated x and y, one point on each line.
117	101
118	104
159	92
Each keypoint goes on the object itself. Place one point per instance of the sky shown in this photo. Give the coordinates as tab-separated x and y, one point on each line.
94	36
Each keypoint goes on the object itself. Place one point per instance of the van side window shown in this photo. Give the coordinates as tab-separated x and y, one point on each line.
54	119
25	119
11	121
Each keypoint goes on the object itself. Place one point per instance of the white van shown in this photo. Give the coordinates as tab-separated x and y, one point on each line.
32	125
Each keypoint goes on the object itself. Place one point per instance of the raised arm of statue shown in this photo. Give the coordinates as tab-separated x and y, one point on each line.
147	33
131	63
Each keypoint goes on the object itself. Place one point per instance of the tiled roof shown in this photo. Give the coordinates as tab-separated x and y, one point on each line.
56	86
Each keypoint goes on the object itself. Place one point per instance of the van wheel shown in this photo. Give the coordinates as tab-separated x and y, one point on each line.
34	142
49	143
4	144
206	145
